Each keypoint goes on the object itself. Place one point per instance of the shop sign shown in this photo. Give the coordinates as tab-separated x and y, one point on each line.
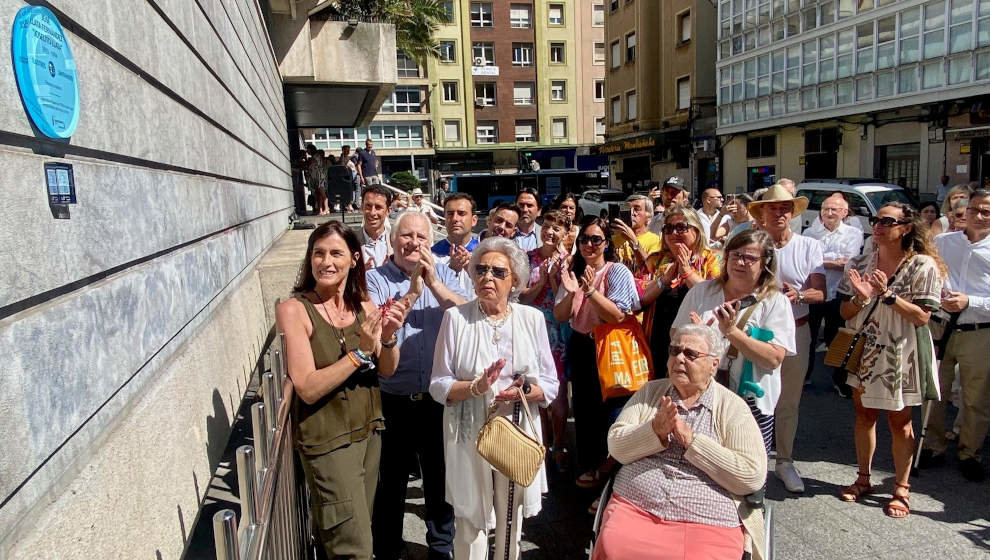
45	71
635	144
484	70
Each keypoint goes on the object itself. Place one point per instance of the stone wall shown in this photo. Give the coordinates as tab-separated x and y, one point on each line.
129	330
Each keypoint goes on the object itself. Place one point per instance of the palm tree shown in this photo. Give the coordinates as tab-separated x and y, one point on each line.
414	20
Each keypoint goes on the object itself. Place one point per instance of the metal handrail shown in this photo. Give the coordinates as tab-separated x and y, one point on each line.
439	229
274	518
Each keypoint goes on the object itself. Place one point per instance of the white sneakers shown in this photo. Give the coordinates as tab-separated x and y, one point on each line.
789	475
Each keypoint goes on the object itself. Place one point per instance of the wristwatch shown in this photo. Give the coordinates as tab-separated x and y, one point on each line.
890	298
800	296
635	246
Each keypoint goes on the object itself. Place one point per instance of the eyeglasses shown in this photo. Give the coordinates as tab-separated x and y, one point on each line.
595	240
746	258
691	355
982	212
498	272
887	221
679	228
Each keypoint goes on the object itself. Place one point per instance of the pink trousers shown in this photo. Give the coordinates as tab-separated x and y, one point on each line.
629	532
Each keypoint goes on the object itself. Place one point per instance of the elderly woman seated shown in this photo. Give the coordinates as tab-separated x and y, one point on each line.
691	451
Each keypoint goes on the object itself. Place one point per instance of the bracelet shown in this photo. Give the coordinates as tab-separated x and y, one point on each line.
590	292
361	357
390	343
473	387
353	360
863	303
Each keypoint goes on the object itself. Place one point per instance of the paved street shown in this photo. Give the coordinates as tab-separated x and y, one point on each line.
950	517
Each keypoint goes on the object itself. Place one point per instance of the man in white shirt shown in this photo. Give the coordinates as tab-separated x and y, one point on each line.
801	274
966	292
527	234
375	245
455	250
711	202
420	205
840	241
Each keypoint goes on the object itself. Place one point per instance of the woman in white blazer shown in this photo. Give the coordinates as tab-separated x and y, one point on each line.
485	349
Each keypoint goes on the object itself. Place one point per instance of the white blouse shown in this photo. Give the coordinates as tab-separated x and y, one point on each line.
465	348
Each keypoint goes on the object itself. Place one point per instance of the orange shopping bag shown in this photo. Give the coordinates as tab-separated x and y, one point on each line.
624	361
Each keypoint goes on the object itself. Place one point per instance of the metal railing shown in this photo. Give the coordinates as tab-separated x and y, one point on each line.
274	522
439	231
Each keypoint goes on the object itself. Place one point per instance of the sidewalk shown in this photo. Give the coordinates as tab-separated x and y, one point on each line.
950	517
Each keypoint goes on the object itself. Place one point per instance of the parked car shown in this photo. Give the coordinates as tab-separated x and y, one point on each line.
866	196
599	202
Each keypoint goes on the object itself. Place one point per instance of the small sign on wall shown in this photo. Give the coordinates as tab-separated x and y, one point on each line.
964	148
60	183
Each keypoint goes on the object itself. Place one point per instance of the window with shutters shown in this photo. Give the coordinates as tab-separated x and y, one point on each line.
519	15
526	131
522	93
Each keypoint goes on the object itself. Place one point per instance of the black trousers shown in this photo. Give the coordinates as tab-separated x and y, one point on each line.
413	431
592	417
827	312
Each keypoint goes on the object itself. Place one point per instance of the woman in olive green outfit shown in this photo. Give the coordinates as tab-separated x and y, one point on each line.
337	343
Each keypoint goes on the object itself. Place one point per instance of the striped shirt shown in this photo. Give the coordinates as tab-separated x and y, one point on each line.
669	486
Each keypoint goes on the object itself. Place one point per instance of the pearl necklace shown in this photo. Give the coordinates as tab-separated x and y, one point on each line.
495	324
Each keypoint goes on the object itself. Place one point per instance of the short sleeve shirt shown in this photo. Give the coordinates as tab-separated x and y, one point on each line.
368	160
796	261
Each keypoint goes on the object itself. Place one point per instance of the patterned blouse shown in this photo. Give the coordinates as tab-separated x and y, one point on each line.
668	486
897	356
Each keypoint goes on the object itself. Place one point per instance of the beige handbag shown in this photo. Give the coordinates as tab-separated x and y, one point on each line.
508	448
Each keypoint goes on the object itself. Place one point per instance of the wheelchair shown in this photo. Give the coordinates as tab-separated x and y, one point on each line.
756	500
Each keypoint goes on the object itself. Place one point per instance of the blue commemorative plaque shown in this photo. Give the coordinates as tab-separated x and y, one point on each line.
45	71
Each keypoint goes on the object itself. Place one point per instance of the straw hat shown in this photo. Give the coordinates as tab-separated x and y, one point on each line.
418	192
777	193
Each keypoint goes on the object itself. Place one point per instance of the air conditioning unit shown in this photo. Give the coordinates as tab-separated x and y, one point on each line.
478	61
702	145
479	102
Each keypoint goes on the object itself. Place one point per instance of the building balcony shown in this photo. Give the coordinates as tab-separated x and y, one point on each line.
335	72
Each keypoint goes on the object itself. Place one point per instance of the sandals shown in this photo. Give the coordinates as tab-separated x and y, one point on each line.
589	479
899	504
857	490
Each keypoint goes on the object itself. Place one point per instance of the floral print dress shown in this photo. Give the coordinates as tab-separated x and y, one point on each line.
898	358
558	333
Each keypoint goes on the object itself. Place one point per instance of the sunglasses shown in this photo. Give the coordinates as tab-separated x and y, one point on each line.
691	355
887	221
746	258
499	273
982	212
679	228
595	240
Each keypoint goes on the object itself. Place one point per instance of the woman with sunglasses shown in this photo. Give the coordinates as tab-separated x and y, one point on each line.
690	453
889	293
755	319
545	264
685	260
596	290
487	350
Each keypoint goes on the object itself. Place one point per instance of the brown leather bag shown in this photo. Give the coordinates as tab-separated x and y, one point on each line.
508	448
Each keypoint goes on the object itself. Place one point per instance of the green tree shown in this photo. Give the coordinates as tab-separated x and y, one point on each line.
414	20
403	180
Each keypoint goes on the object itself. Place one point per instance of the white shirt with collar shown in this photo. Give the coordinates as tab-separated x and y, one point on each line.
843	243
376	250
969	273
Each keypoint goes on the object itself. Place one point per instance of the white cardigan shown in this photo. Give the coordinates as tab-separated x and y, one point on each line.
464	350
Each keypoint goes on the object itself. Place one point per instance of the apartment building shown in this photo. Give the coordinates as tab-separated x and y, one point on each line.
660	92
515	77
402	130
871	88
